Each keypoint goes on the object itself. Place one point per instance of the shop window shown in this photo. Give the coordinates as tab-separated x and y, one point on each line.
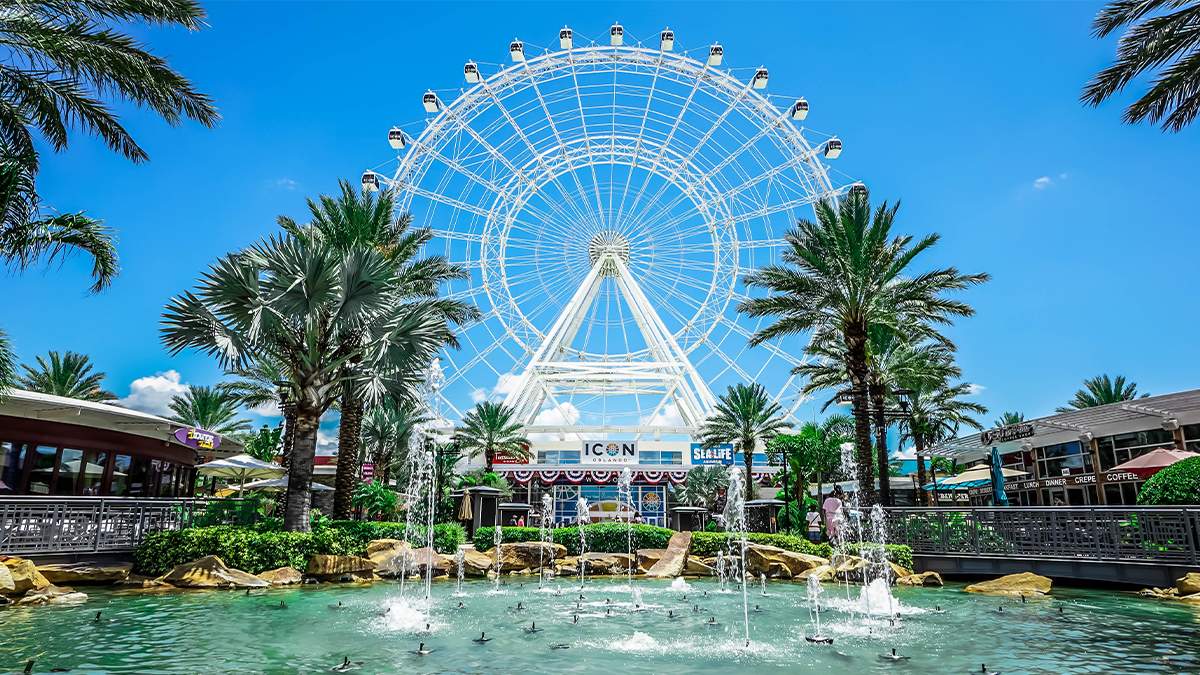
92	480
12	459
1121	493
660	457
760	459
41	477
166	480
139	477
122	465
558	457
1063	459
69	465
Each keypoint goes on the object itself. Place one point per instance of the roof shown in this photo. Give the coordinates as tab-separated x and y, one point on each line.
38	406
1105	420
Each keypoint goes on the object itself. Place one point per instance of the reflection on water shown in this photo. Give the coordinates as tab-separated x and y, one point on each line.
681	627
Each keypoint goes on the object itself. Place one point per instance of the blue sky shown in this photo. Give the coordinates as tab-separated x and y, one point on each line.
967	112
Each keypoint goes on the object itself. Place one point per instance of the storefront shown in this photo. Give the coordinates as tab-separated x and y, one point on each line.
1069	458
56	446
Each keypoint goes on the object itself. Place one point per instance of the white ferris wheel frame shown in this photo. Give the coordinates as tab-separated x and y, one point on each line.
662	368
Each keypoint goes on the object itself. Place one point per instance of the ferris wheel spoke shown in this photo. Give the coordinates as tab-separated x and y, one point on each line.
769	346
586	138
640	135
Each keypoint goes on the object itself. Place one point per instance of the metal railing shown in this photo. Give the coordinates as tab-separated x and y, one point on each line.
1169	535
95	524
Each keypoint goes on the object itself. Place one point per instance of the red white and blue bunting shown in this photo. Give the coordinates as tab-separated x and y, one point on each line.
605	476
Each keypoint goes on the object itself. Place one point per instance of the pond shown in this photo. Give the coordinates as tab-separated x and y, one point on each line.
694	627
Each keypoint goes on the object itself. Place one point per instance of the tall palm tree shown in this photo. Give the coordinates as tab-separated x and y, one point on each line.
388	431
745	416
489	429
1008	418
845	273
8	365
314	309
1162	36
261	383
1102	390
702	486
213	408
936	413
65	374
351	219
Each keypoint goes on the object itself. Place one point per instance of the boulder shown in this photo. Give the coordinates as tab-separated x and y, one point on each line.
342	568
391	557
427	557
921	579
521	555
695	567
53	595
899	571
24	575
282	576
477	564
567	567
210	572
1024	584
647	557
605	563
823	573
139	581
1194	599
1188	584
779	563
674	560
85	573
7	585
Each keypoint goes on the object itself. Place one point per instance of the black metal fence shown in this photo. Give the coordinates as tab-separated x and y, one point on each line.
31	525
1167	535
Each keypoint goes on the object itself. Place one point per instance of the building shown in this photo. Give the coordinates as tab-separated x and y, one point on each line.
51	445
1069	456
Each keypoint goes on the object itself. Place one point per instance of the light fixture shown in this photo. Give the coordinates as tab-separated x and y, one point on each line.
1170	424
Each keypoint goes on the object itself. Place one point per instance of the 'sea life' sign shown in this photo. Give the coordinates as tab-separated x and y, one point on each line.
609	452
718	455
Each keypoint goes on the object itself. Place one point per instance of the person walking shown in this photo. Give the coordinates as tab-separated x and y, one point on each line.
832	508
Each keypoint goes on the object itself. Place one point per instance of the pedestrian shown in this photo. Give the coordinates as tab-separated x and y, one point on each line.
832	507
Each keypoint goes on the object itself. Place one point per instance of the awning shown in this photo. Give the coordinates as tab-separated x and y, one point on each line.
1154	461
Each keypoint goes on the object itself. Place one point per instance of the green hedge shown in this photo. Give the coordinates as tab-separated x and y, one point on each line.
1176	484
256	550
897	553
707	544
601	537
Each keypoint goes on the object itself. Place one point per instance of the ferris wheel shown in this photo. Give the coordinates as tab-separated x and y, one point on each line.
606	197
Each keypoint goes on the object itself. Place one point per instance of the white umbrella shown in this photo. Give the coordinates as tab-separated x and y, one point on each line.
272	484
241	468
979	473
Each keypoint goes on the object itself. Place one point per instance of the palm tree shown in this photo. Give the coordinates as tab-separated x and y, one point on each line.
744	415
8	365
388	431
213	408
360	219
845	273
1102	390
702	486
815	451
489	429
261	383
313	309
1008	418
65	374
1163	37
936	413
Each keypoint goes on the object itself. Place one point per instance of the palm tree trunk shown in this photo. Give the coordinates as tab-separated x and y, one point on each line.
349	431
922	498
856	364
489	456
289	439
787	512
748	458
881	454
300	470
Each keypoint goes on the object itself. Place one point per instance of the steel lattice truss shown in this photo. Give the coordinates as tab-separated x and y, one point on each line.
606	199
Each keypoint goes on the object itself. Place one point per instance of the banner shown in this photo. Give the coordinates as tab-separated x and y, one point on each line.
197	438
609	452
718	455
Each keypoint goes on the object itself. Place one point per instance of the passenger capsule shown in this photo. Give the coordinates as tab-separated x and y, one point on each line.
833	148
431	102
471	72
800	109
715	54
396	138
516	50
666	40
760	78
370	182
616	35
566	38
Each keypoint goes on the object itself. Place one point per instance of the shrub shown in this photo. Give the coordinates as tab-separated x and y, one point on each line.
601	537
447	537
1176	484
707	544
897	553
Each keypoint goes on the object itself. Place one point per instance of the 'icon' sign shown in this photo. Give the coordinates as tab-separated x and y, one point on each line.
610	452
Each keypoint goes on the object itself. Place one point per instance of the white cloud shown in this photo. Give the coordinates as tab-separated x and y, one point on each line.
975	389
478	395
506	384
327	443
153	393
1042	182
285	183
561	414
667	417
268	409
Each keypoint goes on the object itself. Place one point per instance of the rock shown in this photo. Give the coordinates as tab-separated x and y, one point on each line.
898	571
25	575
772	561
427	557
282	576
341	568
1194	599
5	600
695	567
647	557
529	554
85	573
605	563
674	560
139	581
391	557
567	567
921	579
1188	584
823	573
477	564
53	595
7	585
1018	585
210	572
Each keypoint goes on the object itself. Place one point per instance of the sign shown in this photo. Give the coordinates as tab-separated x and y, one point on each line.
197	438
609	452
505	458
1073	480
721	455
368	471
1012	432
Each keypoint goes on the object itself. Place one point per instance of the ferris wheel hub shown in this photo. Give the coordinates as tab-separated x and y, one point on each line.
605	243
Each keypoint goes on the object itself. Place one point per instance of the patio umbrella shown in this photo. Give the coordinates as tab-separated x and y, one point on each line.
241	468
998	496
281	483
1154	461
979	473
464	509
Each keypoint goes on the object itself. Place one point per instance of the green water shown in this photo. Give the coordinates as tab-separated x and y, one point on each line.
227	631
